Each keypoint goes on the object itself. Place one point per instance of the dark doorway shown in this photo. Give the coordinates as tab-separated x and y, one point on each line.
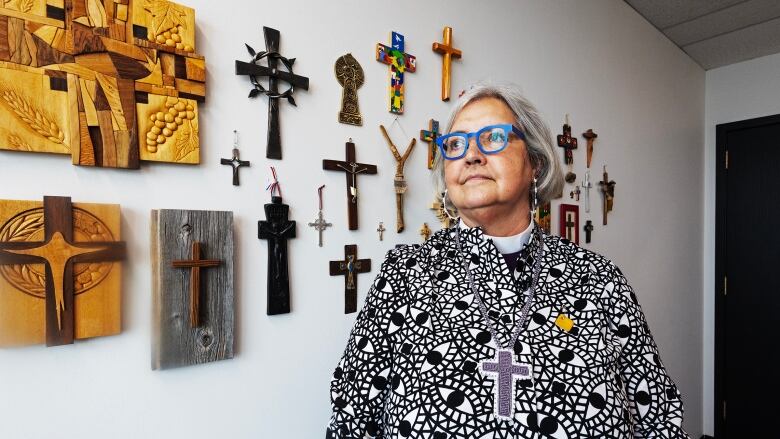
747	278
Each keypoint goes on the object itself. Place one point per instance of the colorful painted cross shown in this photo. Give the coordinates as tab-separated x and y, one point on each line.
400	63
59	253
235	162
195	264
256	71
567	142
351	169
349	268
506	372
277	229
448	53
430	136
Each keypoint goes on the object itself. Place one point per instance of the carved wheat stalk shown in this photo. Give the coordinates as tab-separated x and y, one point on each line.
33	117
18	143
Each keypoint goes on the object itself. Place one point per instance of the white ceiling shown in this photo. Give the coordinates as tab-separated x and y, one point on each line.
716	33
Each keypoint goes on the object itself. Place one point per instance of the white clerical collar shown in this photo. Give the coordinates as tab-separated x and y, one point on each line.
508	244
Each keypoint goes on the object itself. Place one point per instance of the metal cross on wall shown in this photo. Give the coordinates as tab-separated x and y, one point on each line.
349	268
320	224
351	169
195	264
587	184
235	162
350	75
448	54
399	62
255	71
277	229
430	136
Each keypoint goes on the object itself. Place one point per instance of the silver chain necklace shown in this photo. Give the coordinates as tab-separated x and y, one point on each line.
502	368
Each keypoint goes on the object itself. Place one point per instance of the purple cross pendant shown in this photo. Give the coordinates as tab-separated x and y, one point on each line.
505	372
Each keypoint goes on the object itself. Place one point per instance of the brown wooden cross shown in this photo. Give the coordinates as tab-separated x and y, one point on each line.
430	136
195	264
59	252
448	53
351	169
590	136
425	232
607	188
567	142
400	181
349	268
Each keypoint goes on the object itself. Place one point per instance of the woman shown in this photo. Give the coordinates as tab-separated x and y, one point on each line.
493	329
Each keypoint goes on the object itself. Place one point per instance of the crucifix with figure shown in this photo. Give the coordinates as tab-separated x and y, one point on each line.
399	181
236	163
350	267
505	373
195	264
607	188
59	252
277	229
448	54
430	136
400	63
271	71
351	169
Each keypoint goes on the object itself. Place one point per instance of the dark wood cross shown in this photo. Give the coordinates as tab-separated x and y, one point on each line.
351	169
59	253
349	268
350	75
195	264
588	228
399	181
381	229
430	136
255	71
399	62
567	142
590	136
448	53
235	162
277	229
607	188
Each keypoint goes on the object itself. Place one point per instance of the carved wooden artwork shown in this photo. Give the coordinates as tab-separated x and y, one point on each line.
111	82
58	281
192	287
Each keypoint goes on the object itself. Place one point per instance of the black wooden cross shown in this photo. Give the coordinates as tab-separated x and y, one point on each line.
349	268
195	264
59	253
588	228
351	169
277	229
271	71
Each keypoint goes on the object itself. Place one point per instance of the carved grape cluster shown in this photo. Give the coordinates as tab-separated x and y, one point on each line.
172	38
166	123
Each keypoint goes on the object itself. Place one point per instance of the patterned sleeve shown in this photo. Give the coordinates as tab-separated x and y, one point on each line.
656	404
361	380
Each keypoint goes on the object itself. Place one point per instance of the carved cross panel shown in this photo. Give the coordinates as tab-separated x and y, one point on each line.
277	229
350	267
351	169
57	279
400	63
110	83
350	75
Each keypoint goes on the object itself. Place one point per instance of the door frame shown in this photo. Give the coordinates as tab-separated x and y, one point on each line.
721	171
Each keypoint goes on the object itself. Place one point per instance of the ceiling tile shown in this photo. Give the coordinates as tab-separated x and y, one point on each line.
666	13
742	45
725	20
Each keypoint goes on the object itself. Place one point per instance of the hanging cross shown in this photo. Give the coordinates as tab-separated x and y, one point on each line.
586	184
448	53
256	71
195	264
349	268
590	136
350	75
320	224
277	229
575	194
59	253
506	372
588	228
567	142
399	63
381	229
425	232
235	162
351	170
399	182
570	226
430	136
607	188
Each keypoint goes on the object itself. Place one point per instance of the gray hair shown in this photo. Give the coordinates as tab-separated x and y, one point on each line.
538	138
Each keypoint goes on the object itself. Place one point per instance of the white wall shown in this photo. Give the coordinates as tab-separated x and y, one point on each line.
599	61
746	90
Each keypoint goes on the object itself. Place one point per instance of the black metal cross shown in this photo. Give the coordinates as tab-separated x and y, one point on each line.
277	229
271	71
236	163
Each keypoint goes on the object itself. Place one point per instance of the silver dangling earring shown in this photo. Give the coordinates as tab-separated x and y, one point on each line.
446	210
535	205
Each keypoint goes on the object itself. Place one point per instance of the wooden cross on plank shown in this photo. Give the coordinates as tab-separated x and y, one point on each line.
349	268
351	169
274	75
448	53
195	264
277	229
567	142
607	188
59	253
570	222
350	75
430	136
399	62
399	182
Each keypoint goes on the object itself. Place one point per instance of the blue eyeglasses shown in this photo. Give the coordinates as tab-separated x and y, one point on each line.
491	139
